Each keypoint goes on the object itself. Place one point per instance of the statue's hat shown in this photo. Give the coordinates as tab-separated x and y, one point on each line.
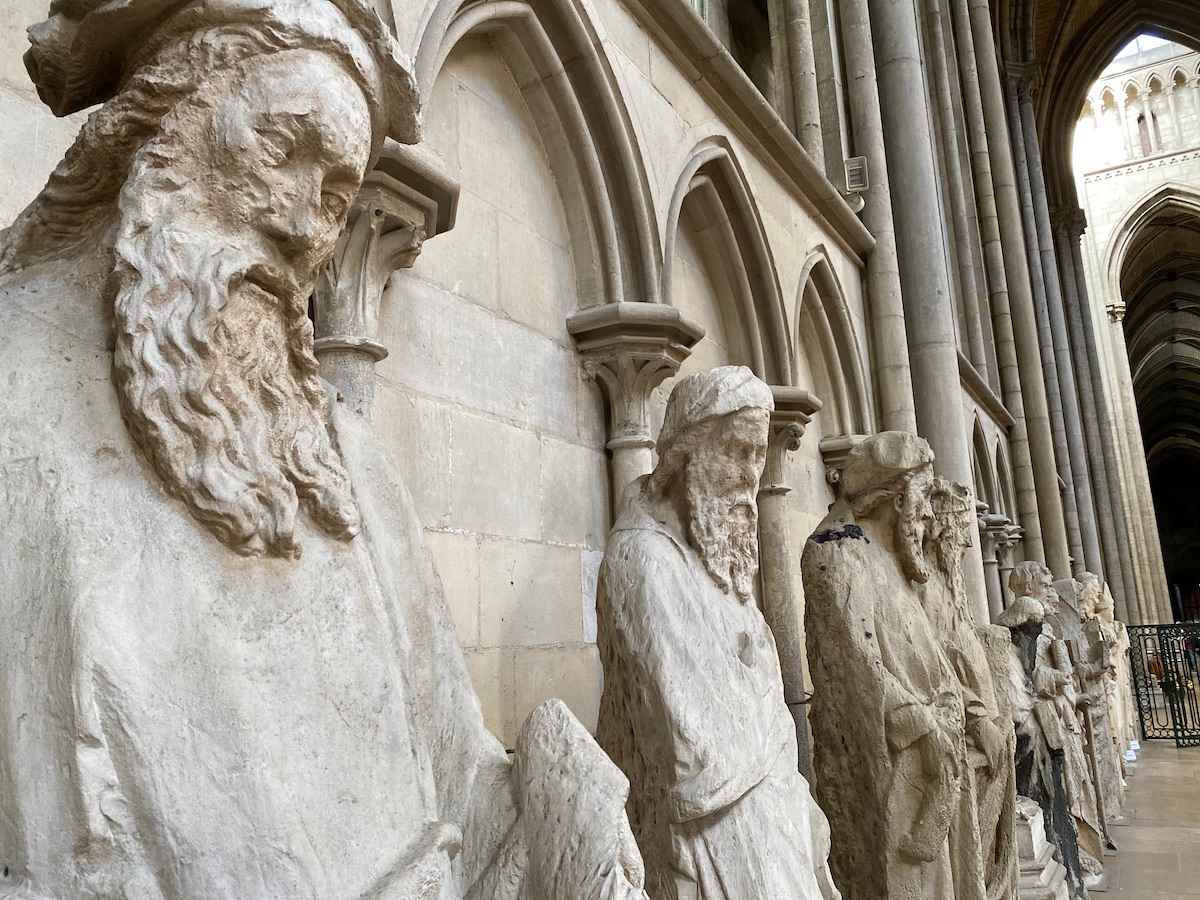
709	395
883	458
86	50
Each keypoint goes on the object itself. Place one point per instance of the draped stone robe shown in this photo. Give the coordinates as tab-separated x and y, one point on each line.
177	721
693	712
879	673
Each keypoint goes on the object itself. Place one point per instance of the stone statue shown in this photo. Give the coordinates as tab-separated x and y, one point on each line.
983	854
1047	770
887	711
1094	667
226	667
1118	681
693	707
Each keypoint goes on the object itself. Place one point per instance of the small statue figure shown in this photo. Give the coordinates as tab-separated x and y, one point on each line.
983	853
1043	713
693	707
887	710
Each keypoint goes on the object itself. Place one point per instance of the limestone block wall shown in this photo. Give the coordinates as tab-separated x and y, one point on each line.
482	398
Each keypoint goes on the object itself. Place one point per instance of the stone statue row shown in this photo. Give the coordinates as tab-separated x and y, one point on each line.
227	669
946	751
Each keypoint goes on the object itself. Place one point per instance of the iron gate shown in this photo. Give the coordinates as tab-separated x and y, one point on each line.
1165	665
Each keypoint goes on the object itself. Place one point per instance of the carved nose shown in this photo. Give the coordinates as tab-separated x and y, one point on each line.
296	230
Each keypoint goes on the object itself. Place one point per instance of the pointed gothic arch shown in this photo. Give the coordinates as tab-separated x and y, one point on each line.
556	56
825	334
713	178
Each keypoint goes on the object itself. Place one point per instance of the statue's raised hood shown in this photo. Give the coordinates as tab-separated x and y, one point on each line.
82	53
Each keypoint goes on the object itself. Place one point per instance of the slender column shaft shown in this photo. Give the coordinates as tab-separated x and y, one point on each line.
1080	481
963	238
1100	414
804	80
993	258
1050	544
1156	599
928	304
1174	110
893	377
1123	119
1068	234
1045	343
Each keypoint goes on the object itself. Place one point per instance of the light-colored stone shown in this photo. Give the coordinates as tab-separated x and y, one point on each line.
529	594
887	713
228	666
983	854
693	708
1051	767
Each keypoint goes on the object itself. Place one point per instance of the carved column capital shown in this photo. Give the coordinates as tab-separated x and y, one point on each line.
629	349
403	201
993	534
1116	311
794	409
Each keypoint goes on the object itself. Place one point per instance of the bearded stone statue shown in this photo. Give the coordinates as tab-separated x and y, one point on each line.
983	851
226	666
1048	761
887	709
693	707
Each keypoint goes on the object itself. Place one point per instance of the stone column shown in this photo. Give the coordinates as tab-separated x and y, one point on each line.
963	223
629	349
1006	551
1080	481
884	302
782	597
998	292
403	201
1017	87
928	304
1157	597
1050	545
1174	109
1118	565
803	67
1123	119
993	529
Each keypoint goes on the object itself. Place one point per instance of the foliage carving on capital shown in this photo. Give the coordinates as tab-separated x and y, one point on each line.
629	349
794	409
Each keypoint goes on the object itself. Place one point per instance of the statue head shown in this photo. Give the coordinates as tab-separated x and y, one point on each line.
889	477
1089	594
711	453
218	174
1033	586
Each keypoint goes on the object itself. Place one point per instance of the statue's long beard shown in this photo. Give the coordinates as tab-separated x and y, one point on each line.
910	539
218	386
724	531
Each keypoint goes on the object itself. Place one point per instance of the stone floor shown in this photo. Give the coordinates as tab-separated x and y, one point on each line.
1159	855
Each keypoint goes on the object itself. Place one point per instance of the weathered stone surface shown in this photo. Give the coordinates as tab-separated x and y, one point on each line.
887	712
983	854
228	669
693	707
1042	876
1049	754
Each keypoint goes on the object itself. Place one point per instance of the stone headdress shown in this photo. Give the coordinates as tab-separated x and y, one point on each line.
711	395
882	461
87	49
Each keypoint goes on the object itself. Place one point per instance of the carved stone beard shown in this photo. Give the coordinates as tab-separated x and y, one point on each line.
910	534
218	384
724	531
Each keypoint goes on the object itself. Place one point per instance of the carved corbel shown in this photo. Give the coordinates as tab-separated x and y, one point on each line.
403	201
1116	311
794	409
629	349
834	452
